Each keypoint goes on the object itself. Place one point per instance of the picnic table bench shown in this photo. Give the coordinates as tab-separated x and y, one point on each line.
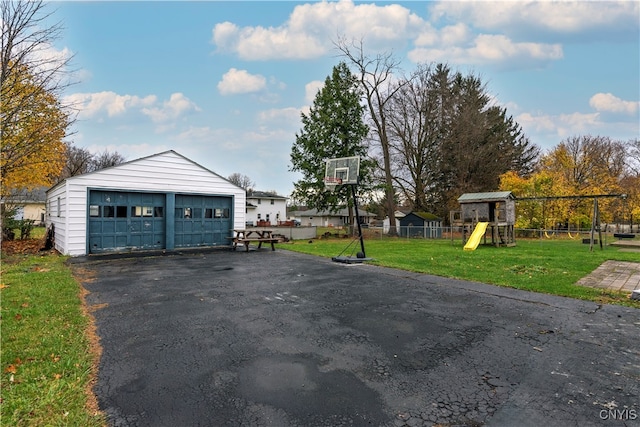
246	237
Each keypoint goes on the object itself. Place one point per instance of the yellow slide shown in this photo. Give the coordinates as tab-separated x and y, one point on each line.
477	234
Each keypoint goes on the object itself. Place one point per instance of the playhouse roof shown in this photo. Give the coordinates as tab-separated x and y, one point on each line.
494	196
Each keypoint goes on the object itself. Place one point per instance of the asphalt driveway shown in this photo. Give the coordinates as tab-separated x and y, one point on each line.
266	338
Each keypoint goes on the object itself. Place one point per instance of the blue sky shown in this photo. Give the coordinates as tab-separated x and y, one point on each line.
224	83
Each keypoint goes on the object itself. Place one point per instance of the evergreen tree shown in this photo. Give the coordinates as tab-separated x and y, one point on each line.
334	128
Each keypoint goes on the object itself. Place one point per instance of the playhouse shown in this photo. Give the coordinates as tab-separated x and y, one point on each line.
493	211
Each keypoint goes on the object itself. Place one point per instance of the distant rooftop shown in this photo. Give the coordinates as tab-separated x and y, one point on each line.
253	194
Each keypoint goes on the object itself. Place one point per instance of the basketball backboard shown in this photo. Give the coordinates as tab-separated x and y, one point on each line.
342	171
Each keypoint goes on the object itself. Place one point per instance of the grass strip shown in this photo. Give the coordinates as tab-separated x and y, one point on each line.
547	266
47	366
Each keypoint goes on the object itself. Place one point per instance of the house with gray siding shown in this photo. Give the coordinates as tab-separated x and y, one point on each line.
325	218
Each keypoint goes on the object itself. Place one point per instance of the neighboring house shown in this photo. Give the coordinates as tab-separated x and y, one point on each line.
420	224
163	201
265	208
29	204
313	217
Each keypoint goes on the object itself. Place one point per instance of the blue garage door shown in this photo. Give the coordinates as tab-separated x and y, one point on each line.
202	220
125	220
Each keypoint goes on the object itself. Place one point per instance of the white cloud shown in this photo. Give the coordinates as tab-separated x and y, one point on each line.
579	122
311	29
91	105
268	43
280	117
225	36
548	130
47	61
610	103
311	89
485	48
101	105
219	139
539	123
176	106
554	16
454	34
237	81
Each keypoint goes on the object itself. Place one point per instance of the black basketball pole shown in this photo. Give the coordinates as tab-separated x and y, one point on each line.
355	203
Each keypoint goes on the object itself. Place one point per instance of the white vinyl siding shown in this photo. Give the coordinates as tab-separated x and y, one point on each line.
167	172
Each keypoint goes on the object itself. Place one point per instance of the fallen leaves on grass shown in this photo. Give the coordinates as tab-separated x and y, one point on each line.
24	247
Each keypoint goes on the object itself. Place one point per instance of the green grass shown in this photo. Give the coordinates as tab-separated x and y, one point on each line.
547	266
47	365
37	232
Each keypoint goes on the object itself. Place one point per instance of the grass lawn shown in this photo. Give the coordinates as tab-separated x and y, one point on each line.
47	363
548	266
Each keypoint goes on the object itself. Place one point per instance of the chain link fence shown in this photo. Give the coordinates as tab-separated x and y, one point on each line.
607	232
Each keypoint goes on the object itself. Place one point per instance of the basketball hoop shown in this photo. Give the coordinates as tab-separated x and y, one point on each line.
341	171
331	182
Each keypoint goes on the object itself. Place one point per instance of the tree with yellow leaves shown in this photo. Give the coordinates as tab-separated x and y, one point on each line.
580	166
33	120
583	166
33	149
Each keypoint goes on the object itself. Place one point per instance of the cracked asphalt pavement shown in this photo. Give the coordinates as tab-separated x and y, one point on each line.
221	338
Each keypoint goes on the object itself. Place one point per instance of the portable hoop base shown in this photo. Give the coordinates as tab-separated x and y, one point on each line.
350	260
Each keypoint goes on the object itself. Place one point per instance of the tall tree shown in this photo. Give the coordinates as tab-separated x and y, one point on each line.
80	160
32	131
242	181
333	128
586	165
446	139
33	120
631	182
633	150
482	144
375	79
106	159
578	166
414	137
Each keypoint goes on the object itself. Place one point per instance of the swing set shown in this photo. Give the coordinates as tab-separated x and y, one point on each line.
595	219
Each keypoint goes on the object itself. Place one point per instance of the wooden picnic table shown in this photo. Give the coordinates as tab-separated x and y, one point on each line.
246	237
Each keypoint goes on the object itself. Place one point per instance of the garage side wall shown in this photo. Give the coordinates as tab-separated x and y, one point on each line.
56	214
166	172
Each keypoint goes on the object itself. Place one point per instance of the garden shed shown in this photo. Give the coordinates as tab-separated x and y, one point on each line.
163	201
421	224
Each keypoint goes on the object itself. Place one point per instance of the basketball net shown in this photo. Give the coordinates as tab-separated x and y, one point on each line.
331	183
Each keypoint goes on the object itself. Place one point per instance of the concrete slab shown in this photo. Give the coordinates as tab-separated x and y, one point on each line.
283	339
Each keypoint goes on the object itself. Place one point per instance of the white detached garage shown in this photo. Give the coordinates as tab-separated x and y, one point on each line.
164	201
